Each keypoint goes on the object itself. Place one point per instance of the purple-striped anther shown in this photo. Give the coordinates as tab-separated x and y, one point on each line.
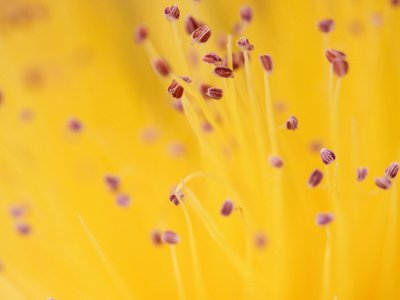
112	182
266	62
23	228
175	90
161	67
214	93
227	208
260	240
170	237
123	200
201	34
362	174
75	125
340	67
324	219
392	170
244	44
175	197
326	26
383	183
276	161
292	123
334	55
213	58
315	178
223	72
172	13
246	13
156	238
327	156
141	34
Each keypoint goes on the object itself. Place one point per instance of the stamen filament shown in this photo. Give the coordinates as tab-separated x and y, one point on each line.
178	276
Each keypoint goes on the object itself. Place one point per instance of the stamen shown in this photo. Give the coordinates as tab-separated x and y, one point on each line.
177	105
203	88
237	60
246	14
191	24
395	3
214	93
213	58
260	240
206	127
362	174
276	161
326	26
266	62
17	211
383	183
201	34
75	125
334	55
244	44
340	67
327	156
392	170
223	72
323	219
172	13
113	182
175	90
123	200
23	229
186	79
227	208
292	123
141	34
176	196
315	178
170	237
161	67
156	238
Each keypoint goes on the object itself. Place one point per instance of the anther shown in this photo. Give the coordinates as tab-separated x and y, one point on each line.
237	59
227	208
23	228
175	90
260	240
112	182
170	237
213	58
172	13
75	125
395	3
17	211
203	90
315	178
266	62
340	67
334	55
362	174
141	34
327	156
186	79
206	127
175	197
177	105
201	34
161	67
244	44
223	72
276	161
214	93
246	14
123	200
324	219
392	170
292	123
156	238
383	183
326	26
191	24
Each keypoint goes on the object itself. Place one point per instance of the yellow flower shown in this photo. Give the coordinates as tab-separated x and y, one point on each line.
282	171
